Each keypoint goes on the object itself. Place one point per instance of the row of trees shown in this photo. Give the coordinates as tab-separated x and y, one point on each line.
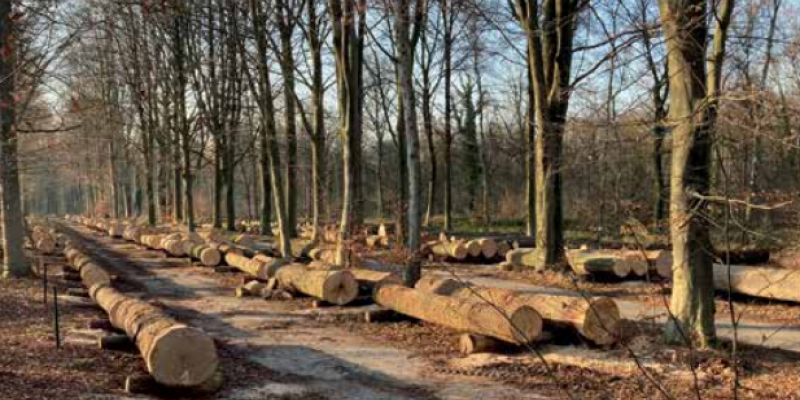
192	112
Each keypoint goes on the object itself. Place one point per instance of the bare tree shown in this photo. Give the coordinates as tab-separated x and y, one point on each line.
14	261
694	97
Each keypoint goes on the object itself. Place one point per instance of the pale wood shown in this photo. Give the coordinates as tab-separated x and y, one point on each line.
369	280
174	247
258	269
336	287
46	245
595	318
176	355
522	257
763	282
592	263
208	256
456	250
489	247
520	324
474	248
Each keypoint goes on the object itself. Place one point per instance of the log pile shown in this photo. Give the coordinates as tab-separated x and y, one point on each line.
485	249
596	319
44	239
517	324
175	354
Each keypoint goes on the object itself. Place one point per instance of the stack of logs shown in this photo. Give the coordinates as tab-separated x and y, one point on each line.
176	355
44	239
478	249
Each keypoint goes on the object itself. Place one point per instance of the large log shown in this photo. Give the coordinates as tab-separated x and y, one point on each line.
174	247
595	318
256	268
591	263
176	355
368	280
522	257
764	282
520	324
474	248
456	250
336	286
208	256
488	247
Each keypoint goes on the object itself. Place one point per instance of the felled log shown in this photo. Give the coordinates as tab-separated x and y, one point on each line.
336	287
225	248
515	325
116	230
208	256
46	245
503	248
368	279
256	268
474	248
456	250
596	318
590	263
176	355
649	262
763	282
522	257
90	273
174	247
488	247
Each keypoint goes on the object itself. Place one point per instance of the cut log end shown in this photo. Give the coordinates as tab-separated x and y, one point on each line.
602	321
340	288
526	324
182	356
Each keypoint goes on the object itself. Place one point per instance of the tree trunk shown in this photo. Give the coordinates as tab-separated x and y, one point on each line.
15	263
285	28
318	136
269	132
448	18
692	302
406	43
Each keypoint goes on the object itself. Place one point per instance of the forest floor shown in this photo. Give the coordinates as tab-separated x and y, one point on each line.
288	350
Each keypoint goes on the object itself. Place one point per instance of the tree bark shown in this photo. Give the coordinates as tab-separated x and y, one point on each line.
694	96
15	263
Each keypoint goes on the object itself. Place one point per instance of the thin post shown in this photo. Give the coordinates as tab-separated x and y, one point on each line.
44	287
55	318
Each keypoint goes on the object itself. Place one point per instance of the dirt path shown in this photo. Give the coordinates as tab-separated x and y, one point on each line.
314	360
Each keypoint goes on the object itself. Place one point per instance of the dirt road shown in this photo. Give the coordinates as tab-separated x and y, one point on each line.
305	358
